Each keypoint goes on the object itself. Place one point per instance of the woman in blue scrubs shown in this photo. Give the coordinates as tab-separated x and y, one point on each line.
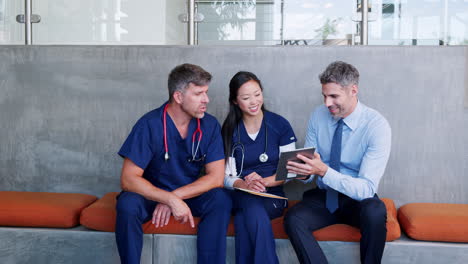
253	139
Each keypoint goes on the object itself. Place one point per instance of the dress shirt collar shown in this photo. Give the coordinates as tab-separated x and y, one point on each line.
352	121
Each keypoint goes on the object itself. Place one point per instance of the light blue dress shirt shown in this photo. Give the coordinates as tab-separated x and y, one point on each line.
365	149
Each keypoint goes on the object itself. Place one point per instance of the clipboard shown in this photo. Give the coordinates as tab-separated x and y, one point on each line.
282	172
268	195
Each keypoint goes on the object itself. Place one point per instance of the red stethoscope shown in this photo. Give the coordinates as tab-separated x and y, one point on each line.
198	130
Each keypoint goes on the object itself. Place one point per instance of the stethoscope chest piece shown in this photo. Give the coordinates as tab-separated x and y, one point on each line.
238	145
263	157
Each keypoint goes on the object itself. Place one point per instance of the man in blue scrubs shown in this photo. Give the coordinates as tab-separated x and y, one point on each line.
174	165
353	142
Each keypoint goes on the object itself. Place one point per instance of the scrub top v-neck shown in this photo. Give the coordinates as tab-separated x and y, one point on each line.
145	147
280	133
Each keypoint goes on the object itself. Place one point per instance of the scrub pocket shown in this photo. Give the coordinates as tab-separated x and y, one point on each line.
275	207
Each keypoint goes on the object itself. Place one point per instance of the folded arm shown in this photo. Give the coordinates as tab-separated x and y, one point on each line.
212	179
132	180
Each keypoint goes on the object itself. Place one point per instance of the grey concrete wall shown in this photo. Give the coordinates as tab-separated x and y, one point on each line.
65	110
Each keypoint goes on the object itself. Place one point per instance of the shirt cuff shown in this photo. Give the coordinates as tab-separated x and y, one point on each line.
229	181
331	177
288	147
308	180
230	173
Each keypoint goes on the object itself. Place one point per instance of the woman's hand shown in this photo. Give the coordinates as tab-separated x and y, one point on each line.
271	181
256	185
252	177
253	185
255	182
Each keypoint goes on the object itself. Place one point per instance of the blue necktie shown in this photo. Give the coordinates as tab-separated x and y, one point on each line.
335	159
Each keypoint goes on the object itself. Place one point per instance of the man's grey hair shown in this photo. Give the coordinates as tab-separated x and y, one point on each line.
341	73
184	74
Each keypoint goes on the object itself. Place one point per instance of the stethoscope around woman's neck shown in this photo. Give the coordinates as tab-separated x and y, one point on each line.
198	130
238	145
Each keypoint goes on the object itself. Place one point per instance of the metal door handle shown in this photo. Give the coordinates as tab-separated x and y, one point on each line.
199	17
34	18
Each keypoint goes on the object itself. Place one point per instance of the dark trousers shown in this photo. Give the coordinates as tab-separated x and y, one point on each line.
213	207
255	242
369	215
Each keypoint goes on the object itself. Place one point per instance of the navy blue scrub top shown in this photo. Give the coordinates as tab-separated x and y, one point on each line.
145	147
280	133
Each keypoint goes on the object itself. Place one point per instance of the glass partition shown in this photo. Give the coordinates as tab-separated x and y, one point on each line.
239	22
456	22
319	22
326	22
422	22
276	22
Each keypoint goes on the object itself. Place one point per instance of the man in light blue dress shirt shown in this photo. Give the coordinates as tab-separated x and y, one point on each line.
347	187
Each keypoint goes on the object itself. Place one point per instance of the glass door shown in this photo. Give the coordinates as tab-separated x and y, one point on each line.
109	22
11	32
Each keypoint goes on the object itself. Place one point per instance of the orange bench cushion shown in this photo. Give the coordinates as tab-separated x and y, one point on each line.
101	216
435	221
42	209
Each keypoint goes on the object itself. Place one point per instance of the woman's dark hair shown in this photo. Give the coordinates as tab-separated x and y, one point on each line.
235	113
